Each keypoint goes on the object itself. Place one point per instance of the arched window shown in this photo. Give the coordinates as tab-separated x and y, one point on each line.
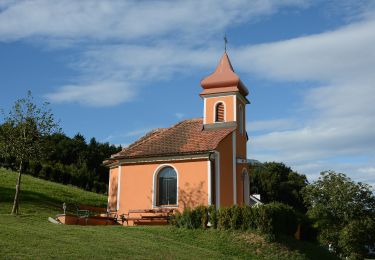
240	120
167	187
219	112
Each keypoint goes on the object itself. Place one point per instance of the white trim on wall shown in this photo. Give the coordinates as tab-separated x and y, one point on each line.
225	111
209	183
217	178
119	186
234	168
154	188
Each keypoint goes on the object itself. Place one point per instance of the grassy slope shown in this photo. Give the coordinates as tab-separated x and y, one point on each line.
30	235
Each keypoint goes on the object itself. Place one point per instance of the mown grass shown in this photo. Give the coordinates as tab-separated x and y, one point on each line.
31	236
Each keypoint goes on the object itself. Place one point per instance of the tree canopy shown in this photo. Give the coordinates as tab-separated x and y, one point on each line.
277	182
22	135
343	211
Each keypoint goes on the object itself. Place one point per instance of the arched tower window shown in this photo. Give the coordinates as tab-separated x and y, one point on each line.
240	120
219	112
167	187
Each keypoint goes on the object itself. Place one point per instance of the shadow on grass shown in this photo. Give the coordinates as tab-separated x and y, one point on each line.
309	249
39	199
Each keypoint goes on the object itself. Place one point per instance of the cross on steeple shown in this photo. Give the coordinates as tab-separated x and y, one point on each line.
225	43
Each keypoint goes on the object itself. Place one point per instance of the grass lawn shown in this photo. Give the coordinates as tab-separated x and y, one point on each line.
31	236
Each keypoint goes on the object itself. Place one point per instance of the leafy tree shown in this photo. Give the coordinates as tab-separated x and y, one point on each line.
343	210
277	182
22	135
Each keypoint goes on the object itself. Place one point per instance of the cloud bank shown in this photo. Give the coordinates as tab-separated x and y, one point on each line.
342	118
122	41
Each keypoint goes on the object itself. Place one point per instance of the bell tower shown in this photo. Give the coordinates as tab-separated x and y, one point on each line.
224	97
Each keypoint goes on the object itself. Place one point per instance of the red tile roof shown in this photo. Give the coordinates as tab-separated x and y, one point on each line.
186	137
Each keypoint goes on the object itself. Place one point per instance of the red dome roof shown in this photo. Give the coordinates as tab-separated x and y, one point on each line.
223	79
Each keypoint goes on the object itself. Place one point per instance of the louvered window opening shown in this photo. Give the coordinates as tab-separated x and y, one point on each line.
219	112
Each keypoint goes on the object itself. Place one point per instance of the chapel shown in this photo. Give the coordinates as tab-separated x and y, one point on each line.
199	161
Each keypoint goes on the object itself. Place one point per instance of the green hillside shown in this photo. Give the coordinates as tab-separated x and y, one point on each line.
31	236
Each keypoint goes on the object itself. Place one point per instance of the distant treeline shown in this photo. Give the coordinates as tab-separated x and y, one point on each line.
70	161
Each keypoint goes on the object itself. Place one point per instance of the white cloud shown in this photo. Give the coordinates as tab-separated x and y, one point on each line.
103	20
338	56
271	124
142	63
342	115
104	93
128	41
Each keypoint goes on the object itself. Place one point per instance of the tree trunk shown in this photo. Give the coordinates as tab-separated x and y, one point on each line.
18	189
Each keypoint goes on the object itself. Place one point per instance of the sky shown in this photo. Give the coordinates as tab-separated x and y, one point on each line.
114	70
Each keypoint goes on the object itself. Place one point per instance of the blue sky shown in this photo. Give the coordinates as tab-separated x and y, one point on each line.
116	69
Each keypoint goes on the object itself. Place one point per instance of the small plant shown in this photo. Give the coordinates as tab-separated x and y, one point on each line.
237	217
225	218
248	218
199	217
271	219
212	216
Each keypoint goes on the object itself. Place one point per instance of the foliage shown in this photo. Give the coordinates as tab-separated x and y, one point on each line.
237	217
340	208
191	218
22	135
199	217
248	218
184	219
273	219
70	161
212	216
224	218
25	128
277	182
355	236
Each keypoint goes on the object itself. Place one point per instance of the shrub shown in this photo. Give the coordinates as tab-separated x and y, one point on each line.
277	218
224	218
199	217
237	217
183	220
355	237
248	221
212	216
308	231
271	219
262	219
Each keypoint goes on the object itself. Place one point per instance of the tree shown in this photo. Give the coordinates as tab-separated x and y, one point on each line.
343	211
22	135
277	182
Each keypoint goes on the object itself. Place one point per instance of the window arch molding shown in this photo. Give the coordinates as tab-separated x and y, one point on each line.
155	185
215	111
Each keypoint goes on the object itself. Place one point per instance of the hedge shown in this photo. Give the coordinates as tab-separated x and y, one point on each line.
273	219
